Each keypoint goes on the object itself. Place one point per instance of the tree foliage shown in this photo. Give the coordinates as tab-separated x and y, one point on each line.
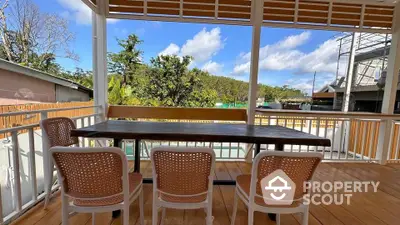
165	81
31	37
173	84
127	60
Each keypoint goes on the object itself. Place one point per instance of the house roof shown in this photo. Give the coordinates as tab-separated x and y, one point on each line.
327	88
10	66
364	88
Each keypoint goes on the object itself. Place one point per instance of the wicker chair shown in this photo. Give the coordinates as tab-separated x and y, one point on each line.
96	180
57	133
183	179
299	167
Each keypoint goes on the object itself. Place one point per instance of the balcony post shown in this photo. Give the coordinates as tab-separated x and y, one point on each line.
257	18
47	163
350	74
100	82
391	84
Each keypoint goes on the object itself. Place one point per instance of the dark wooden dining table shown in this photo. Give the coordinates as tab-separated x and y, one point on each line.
197	132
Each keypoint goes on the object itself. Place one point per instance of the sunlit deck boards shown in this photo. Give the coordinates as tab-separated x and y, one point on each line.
366	208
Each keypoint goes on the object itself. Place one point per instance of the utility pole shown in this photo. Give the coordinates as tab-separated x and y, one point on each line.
312	91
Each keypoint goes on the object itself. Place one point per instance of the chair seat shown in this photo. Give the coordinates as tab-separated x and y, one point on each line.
135	179
243	183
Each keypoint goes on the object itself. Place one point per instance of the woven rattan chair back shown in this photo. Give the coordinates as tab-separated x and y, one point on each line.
299	167
183	171
58	131
90	172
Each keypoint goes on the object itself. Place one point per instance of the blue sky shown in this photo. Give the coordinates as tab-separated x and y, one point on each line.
287	56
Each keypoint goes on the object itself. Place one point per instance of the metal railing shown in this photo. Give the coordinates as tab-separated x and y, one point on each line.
22	163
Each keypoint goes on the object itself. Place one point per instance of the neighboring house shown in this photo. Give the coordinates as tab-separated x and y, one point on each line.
324	99
367	98
22	85
369	73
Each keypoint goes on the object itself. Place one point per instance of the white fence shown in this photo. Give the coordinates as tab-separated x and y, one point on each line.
21	163
354	138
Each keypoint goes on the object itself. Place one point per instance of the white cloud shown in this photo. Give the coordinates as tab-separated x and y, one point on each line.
303	84
78	11
213	67
283	55
241	68
202	47
306	84
289	42
112	20
172	49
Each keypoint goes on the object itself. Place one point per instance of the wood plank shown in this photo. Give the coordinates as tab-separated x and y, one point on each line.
37	213
365	209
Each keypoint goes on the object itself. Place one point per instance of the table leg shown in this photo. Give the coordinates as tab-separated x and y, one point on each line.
137	156
278	147
258	149
117	144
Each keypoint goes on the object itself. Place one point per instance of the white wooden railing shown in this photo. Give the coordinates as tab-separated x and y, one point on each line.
354	138
22	163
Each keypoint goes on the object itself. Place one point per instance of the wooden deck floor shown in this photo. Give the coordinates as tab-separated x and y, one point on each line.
370	208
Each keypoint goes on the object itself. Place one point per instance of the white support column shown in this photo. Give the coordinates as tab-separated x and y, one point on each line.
391	83
257	11
100	82
350	73
257	18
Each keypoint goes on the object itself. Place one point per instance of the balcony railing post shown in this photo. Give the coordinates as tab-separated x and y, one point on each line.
17	180
47	165
384	140
1	210
32	164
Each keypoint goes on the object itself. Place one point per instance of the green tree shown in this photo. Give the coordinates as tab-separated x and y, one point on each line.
79	76
31	37
173	84
120	94
127	60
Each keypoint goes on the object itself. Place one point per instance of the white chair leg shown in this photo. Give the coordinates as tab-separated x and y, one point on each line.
163	212
47	198
141	207
154	220
235	205
278	219
125	217
93	219
65	210
209	218
250	218
48	183
305	217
